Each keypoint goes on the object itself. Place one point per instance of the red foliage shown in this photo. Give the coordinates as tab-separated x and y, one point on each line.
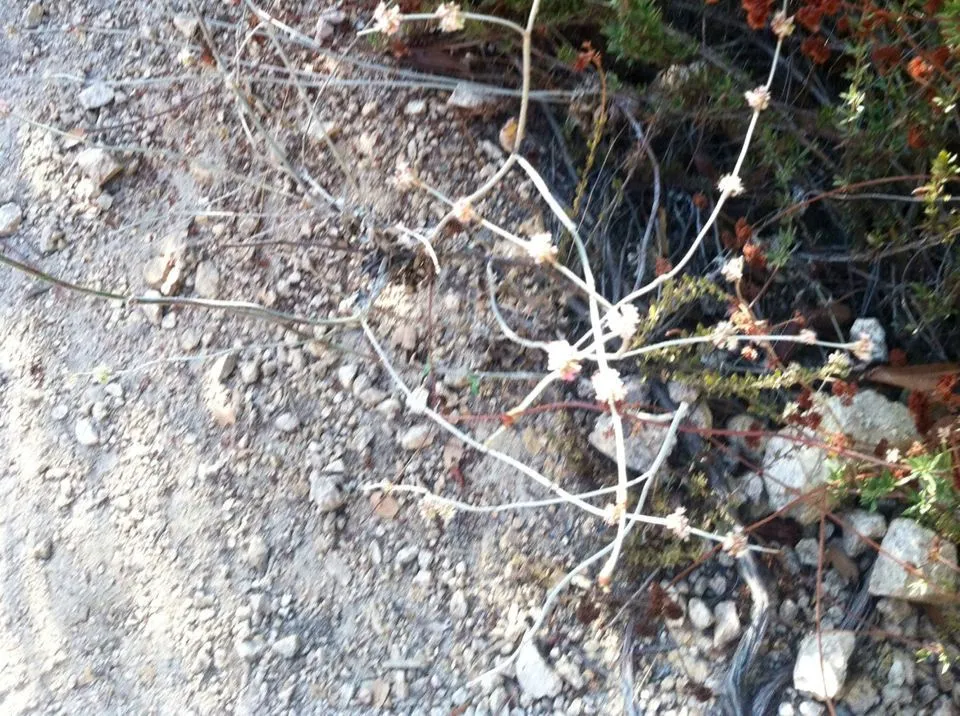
885	58
810	16
754	256
758	12
898	357
815	47
916	138
920	70
743	231
662	266
919	406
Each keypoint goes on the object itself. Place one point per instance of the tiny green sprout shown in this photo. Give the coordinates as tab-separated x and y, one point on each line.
474	381
102	374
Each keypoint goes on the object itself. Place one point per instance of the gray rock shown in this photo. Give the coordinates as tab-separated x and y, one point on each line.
258	553
871	328
287	422
869	419
861	695
536	677
406	555
98	165
790	470
810	708
288	647
207	280
155	271
223	367
860	522
727	628
97	95
10	217
249	372
86	432
746	444
808	551
458	605
325	491
908	543
33	15
472	98
346	375
153	311
43	549
822	673
700	615
418	437
249	649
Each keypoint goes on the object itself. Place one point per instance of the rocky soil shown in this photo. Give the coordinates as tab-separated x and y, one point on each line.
185	525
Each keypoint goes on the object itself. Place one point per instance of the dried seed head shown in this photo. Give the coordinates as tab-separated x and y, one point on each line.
563	358
450	16
733	270
730	184
623	321
541	248
387	20
758	99
782	25
608	386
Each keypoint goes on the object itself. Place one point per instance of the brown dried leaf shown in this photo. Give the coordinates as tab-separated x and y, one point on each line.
384	506
922	378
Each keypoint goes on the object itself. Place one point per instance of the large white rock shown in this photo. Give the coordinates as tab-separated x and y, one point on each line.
99	166
536	677
822	663
97	95
930	577
791	469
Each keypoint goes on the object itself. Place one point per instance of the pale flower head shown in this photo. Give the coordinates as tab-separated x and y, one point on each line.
463	211
623	320
541	248
733	270
781	24
724	336
608	386
386	20
735	543
758	99
807	336
450	16
678	523
730	184
893	455
838	363
563	358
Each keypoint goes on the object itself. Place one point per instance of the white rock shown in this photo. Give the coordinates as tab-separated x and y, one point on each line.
728	623
869	419
537	679
33	15
321	130
346	375
458	605
808	551
415	108
249	372
153	311
86	433
325	491
155	271
287	647
258	553
287	422
10	217
822	663
700	615
222	368
472	98
907	542
186	24
207	280
249	649
97	95
98	165
872	525
791	469
871	328
406	555
641	441
418	437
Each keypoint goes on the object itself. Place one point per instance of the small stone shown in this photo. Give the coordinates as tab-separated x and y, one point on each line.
223	367
33	15
406	555
537	679
872	525
822	674
418	437
98	165
153	311
728	623
43	549
414	108
258	553
808	551
287	647
346	375
155	271
249	649
186	24
472	98
249	372
700	615
10	217
325	491
320	130
59	412
861	696
86	433
871	329
458	605
810	708
96	96
207	281
642	441
287	422
932	578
